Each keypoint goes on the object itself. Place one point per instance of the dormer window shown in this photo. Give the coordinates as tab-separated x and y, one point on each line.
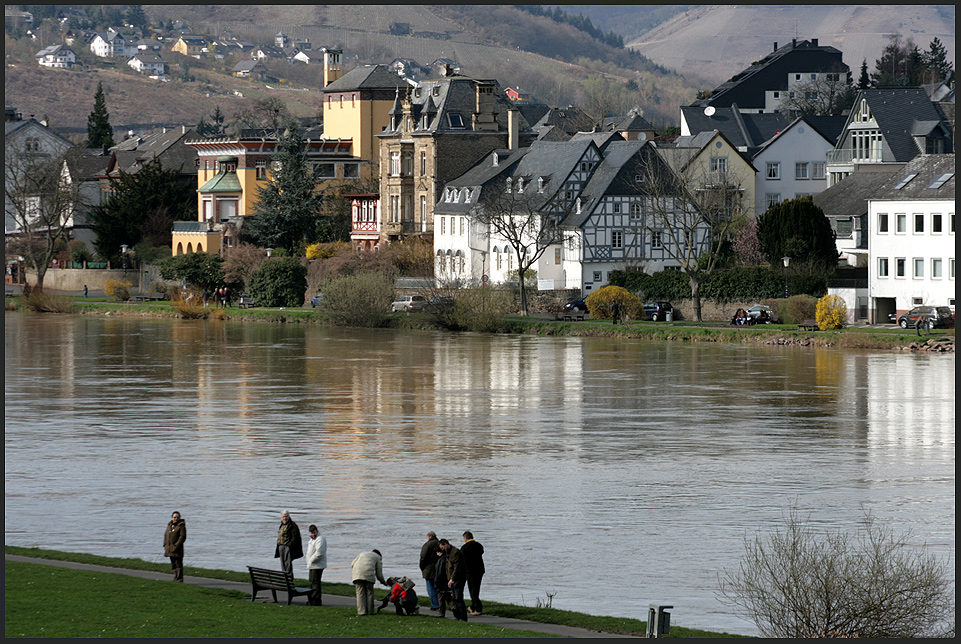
510	184
495	159
467	195
416	92
435	90
520	185
455	120
578	205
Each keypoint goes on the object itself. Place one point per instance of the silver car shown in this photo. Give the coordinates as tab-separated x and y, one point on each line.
408	303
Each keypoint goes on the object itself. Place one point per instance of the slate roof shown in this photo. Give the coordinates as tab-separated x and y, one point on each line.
569	120
614	175
771	73
927	169
368	77
744	131
902	113
169	147
849	197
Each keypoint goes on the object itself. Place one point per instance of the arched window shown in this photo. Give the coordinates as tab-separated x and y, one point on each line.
180	248
190	247
200	248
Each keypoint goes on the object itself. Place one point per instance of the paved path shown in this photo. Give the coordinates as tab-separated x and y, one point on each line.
329	600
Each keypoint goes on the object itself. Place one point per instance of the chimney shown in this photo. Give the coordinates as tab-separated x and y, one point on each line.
793	43
513	129
775	45
332	65
814	42
484	118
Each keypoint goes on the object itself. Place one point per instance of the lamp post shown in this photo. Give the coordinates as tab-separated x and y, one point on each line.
269	251
123	252
787	262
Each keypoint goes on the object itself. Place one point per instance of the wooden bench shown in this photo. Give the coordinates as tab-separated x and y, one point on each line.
274	580
808	325
570	315
246	302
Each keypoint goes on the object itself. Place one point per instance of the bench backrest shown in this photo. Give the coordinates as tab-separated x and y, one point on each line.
271	578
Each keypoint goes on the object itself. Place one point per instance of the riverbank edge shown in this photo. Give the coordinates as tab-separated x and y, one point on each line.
941	341
602	624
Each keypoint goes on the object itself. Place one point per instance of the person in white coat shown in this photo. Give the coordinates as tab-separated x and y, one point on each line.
366	568
316	562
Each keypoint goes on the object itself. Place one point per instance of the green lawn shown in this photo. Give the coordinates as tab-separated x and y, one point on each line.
46	601
24	601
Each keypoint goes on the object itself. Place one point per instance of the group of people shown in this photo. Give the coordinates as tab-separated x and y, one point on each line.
743	318
446	569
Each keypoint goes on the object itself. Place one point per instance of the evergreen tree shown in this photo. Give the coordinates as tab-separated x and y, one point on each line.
135	15
864	81
139	206
936	62
798	229
214	127
288	206
99	132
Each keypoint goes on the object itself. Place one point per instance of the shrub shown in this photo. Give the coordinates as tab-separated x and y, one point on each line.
480	309
600	303
279	282
41	302
663	285
805	581
832	313
359	300
117	288
326	250
796	309
189	305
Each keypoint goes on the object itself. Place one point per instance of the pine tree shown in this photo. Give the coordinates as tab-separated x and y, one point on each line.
798	229
864	81
99	132
936	62
288	206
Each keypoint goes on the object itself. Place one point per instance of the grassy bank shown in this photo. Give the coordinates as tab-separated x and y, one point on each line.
144	608
873	338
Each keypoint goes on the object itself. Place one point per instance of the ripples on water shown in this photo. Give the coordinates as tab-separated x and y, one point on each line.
580	464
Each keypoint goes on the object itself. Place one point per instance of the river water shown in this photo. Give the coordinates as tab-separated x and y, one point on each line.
609	473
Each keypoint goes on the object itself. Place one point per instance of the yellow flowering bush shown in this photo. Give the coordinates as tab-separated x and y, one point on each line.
832	313
118	289
326	250
600	303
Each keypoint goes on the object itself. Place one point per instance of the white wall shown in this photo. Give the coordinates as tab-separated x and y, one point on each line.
798	144
928	246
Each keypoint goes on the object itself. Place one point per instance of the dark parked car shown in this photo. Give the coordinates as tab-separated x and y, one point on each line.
577	306
937	316
439	303
657	311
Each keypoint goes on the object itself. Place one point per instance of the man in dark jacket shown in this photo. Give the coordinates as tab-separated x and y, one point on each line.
428	557
289	545
456	578
473	553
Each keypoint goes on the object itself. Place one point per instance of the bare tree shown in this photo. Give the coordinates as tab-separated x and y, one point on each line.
691	212
830	94
804	582
40	198
523	219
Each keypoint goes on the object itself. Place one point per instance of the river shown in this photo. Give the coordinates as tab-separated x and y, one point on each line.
606	472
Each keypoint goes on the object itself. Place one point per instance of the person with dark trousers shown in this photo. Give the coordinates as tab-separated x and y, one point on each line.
440	582
428	560
402	595
456	578
316	564
174	538
289	545
473	553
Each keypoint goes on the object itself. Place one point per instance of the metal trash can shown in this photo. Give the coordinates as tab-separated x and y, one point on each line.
658	620
669	316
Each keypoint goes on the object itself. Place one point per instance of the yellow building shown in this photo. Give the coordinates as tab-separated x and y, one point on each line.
357	106
231	172
190	45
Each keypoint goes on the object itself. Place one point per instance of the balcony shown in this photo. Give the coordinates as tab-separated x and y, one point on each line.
844	157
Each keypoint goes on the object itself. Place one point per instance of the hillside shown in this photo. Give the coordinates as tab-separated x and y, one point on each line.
712	43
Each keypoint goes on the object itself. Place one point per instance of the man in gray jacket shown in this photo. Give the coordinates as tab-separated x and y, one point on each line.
365	569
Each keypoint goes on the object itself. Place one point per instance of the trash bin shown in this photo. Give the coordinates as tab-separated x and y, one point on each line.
669	317
658	620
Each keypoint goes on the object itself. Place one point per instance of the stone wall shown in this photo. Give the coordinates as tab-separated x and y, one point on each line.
74	279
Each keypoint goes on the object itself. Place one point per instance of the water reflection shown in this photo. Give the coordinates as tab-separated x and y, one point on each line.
581	464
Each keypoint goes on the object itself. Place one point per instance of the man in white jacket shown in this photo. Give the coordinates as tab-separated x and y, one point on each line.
366	568
316	562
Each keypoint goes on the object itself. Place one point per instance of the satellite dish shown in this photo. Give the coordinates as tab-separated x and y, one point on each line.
709	110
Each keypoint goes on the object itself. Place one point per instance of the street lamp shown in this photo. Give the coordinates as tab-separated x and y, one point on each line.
787	262
269	251
123	252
